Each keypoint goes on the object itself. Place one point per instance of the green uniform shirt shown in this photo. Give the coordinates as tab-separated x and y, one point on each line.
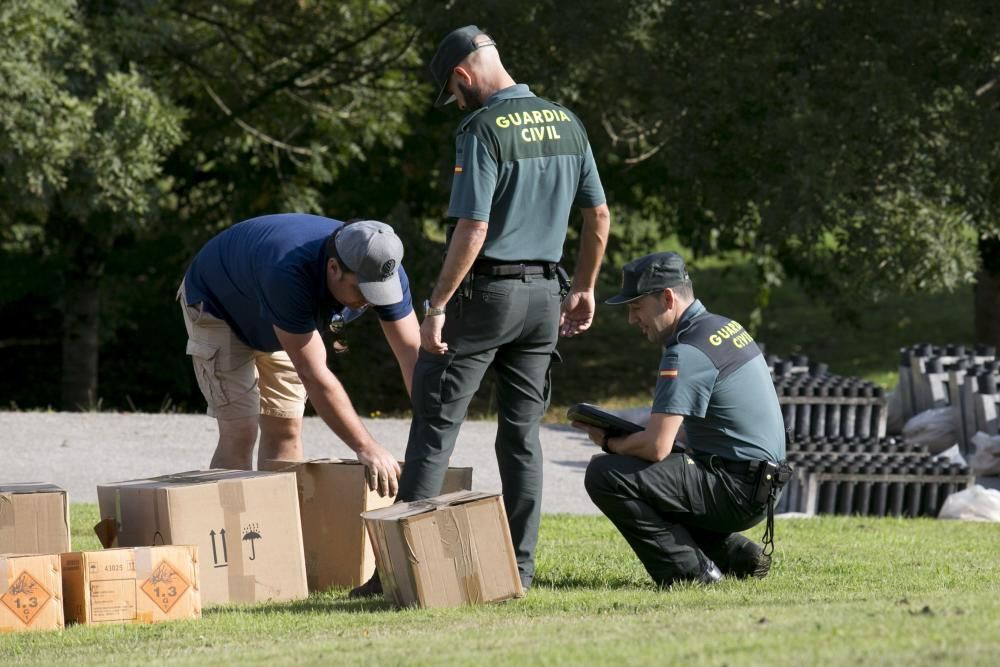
522	163
713	373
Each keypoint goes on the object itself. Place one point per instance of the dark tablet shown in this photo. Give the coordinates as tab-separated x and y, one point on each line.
594	416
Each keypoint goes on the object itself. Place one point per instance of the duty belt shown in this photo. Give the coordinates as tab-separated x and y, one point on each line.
735	467
514	269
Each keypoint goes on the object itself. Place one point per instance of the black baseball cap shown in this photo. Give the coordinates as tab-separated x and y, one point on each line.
649	274
452	50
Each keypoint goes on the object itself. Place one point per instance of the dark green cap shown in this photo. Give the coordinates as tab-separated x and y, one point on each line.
649	274
452	50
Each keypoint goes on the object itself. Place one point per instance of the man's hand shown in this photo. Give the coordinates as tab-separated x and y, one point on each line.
430	334
596	433
577	312
382	468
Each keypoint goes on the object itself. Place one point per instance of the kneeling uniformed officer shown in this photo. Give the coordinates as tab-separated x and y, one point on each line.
681	510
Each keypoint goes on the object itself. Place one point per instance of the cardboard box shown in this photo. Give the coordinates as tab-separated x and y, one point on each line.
332	495
446	551
31	593
34	519
134	585
245	524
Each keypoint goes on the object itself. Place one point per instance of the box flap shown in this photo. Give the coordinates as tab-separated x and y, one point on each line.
417	507
31	487
188	478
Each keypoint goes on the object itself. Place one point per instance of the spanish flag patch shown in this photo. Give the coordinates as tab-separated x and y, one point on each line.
668	373
458	169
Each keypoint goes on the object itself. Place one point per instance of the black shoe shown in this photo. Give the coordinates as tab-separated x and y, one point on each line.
752	562
711	574
369	589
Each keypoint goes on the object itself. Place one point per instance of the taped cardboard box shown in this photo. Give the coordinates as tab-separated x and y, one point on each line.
451	550
34	519
132	585
31	593
332	495
245	524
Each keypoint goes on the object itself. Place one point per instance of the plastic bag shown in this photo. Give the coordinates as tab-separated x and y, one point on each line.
986	461
972	504
933	429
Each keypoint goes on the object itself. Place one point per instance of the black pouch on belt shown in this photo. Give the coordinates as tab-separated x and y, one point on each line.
766	478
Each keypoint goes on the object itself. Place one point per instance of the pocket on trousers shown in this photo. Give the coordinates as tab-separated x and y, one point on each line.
205	358
554	358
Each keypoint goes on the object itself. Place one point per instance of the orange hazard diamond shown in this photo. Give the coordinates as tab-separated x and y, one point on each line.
165	586
26	597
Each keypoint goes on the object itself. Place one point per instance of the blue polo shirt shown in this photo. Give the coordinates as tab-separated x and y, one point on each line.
522	163
271	271
713	373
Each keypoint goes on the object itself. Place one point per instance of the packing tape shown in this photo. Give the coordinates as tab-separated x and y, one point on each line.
457	544
6	520
143	563
242	587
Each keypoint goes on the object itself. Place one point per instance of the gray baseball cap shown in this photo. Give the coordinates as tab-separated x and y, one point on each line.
373	251
649	274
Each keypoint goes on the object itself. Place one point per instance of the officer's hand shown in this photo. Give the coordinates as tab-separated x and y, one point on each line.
577	313
430	334
595	433
382	469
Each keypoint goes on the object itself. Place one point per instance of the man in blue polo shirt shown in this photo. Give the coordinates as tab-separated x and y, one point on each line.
255	301
681	512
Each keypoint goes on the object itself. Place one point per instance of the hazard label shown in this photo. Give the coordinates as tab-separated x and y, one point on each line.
26	597
165	586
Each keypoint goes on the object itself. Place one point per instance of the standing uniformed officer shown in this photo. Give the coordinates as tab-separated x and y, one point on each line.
680	511
522	164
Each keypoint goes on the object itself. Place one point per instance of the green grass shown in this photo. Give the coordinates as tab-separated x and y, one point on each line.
842	591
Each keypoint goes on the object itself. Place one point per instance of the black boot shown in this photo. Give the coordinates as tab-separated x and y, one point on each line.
751	561
710	574
369	589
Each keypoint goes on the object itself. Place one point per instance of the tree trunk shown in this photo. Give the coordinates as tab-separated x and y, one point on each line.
81	336
988	294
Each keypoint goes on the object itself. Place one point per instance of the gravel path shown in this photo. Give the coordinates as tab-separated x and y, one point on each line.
78	451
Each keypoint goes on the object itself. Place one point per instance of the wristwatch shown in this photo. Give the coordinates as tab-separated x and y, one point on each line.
431	311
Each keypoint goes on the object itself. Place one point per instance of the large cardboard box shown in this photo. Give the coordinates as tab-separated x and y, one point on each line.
31	593
34	519
332	495
134	585
244	523
446	551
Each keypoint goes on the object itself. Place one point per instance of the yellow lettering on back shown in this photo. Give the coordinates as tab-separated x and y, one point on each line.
503	121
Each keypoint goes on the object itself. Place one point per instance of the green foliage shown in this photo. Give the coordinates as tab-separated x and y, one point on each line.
841	591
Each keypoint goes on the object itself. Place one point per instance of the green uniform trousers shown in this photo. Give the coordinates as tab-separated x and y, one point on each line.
511	324
679	514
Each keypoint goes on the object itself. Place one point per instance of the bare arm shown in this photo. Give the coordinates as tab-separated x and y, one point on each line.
653	444
466	242
403	336
333	405
578	306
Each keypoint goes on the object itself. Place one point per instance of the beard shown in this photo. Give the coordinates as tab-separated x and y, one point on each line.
471	96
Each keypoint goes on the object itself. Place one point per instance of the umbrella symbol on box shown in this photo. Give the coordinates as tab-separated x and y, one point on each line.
250	535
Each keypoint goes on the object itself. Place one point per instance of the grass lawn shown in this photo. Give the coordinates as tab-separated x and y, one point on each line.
841	591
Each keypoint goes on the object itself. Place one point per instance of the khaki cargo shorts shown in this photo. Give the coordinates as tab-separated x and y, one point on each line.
236	380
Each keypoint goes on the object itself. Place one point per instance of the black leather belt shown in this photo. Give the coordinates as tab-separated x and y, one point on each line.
513	269
734	467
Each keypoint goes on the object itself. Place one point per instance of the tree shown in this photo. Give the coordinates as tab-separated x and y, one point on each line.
842	143
85	141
